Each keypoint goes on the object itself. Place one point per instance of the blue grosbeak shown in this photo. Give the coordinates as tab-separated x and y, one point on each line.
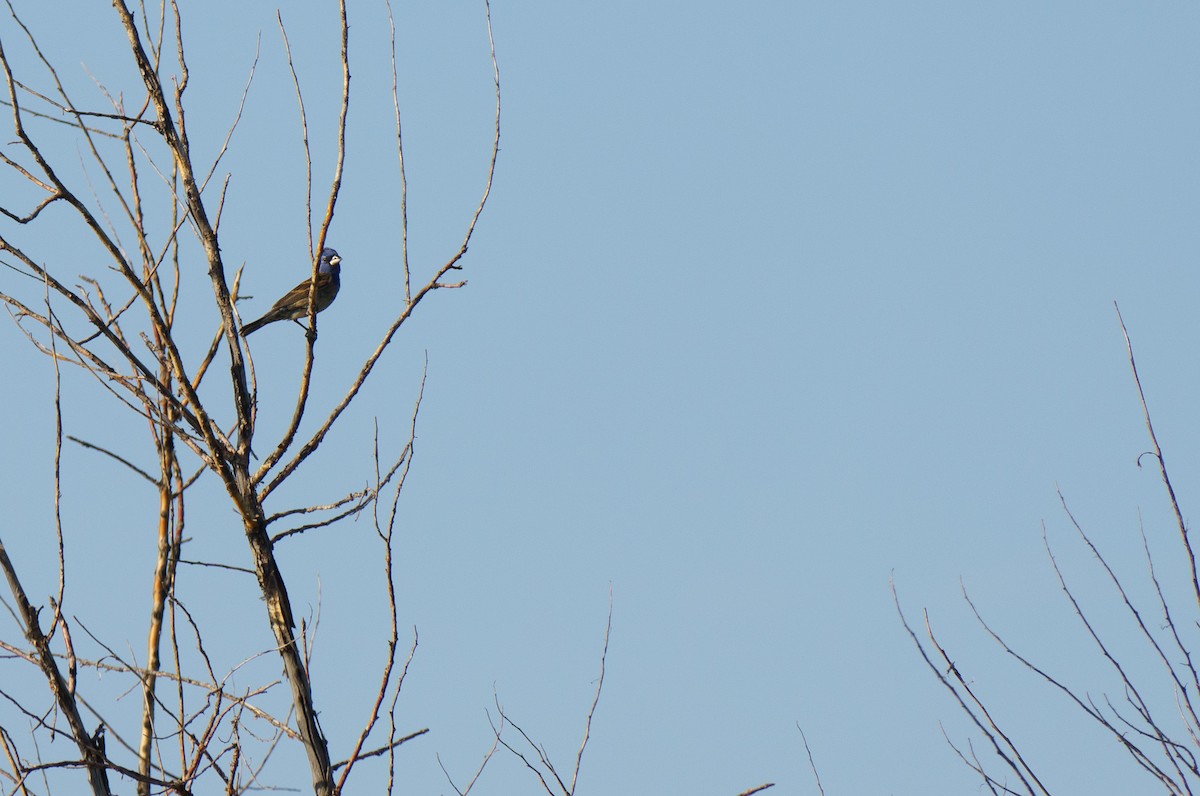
294	304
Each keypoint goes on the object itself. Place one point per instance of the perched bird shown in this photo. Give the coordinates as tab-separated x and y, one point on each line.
294	304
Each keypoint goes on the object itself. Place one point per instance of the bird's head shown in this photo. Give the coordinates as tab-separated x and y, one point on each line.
329	258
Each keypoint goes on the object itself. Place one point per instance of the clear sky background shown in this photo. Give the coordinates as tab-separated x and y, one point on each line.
769	306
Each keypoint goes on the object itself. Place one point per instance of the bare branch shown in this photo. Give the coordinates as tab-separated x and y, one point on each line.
63	695
811	763
1162	464
587	727
403	176
971	705
84	444
759	789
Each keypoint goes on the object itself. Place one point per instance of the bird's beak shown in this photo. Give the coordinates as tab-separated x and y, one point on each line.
335	260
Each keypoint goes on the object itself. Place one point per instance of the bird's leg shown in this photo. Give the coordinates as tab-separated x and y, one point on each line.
309	333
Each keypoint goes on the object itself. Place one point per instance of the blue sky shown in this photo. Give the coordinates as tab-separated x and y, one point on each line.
769	306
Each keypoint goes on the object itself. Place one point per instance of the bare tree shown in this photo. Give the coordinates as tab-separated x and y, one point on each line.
1151	712
144	214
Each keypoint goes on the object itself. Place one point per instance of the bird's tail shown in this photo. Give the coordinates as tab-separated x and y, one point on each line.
254	326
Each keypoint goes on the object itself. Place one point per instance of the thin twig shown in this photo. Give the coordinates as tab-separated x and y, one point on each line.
1162	464
759	789
811	763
